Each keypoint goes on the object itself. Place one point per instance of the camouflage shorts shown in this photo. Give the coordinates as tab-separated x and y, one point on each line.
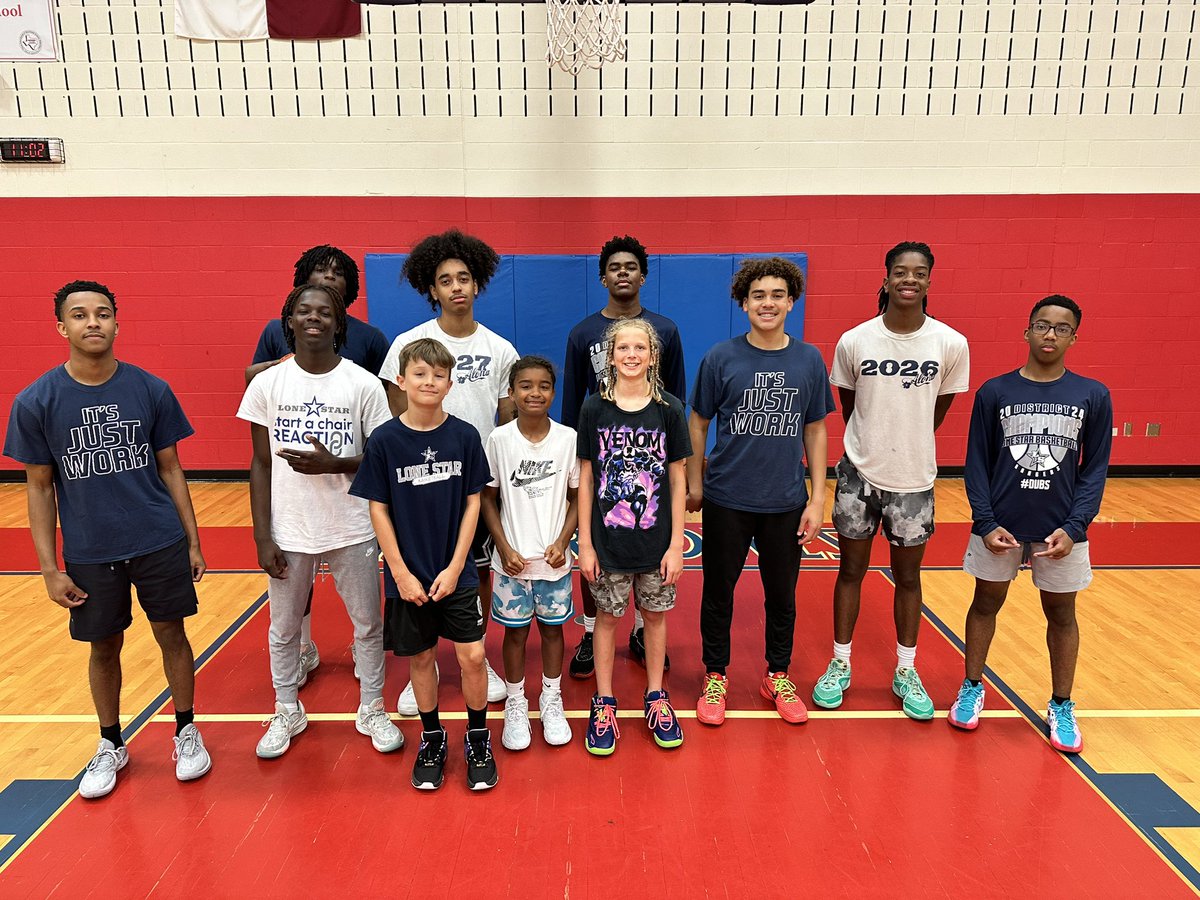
611	592
860	508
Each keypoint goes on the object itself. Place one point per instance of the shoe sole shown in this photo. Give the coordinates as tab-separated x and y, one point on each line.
962	726
790	718
483	785
668	745
386	748
551	743
525	746
428	785
1063	748
602	751
123	764
580	676
199	774
275	755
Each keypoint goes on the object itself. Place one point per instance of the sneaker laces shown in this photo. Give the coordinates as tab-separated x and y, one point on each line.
912	681
376	719
1064	716
277	723
784	689
104	759
714	689
185	743
428	752
605	719
552	703
970	695
478	750
660	716
514	714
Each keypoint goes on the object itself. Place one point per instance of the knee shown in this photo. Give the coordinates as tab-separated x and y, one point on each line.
1059	611
852	571
652	618
108	651
470	656
171	636
907	579
423	661
516	637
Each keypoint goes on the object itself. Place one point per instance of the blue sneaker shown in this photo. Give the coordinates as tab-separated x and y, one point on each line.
663	722
602	731
1064	730
965	711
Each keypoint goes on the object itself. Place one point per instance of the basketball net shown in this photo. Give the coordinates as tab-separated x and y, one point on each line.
583	34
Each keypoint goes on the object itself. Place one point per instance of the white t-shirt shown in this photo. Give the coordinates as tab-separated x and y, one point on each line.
896	379
481	366
314	513
533	481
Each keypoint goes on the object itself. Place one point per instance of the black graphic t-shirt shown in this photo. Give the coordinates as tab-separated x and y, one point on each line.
1037	455
631	454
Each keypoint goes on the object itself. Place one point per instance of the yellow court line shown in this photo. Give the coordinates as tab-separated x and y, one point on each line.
621	714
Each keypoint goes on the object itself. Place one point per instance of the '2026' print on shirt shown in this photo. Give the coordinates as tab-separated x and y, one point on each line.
913	372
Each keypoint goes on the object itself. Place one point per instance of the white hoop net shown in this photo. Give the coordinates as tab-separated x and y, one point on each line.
583	34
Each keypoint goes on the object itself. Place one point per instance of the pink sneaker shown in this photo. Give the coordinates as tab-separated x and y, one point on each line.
778	687
710	708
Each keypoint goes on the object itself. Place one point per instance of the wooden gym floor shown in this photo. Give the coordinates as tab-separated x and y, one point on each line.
858	802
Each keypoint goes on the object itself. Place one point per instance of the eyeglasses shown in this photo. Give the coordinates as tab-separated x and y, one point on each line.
1062	329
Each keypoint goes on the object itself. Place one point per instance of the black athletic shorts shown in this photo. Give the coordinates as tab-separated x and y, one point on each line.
409	629
164	585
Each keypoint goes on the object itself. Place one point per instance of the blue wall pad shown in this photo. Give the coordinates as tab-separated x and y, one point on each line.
534	300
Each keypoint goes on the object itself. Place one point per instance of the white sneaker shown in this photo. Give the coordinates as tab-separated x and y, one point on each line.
373	720
516	724
407	704
496	689
555	729
281	728
100	776
191	758
309	660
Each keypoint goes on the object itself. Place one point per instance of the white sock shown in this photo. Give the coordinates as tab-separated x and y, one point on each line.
515	689
551	685
589	624
306	631
291	707
638	622
842	651
906	657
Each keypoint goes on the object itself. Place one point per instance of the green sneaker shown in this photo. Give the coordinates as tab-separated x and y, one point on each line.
830	686
907	686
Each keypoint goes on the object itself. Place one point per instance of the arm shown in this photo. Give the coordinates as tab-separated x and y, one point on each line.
698	432
319	461
514	563
556	553
1096	445
673	375
43	516
847	397
270	557
397	399
574	384
672	562
977	476
447	579
940	408
816	450
589	566
172	476
506	410
385	534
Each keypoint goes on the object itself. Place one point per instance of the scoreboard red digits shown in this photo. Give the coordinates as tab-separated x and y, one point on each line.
31	150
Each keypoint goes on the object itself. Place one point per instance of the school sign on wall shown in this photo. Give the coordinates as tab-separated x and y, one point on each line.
27	31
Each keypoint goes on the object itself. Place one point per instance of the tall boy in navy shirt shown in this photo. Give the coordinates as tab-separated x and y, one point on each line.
770	395
1037	457
97	438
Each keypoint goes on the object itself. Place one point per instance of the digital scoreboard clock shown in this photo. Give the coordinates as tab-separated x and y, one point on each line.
32	150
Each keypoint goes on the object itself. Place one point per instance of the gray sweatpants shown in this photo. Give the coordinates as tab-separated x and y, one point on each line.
355	571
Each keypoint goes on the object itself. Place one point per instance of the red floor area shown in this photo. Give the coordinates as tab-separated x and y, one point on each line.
843	806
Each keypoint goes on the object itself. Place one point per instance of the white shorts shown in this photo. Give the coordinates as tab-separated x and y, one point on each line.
1058	576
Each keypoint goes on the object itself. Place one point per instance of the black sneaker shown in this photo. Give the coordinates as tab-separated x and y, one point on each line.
481	765
431	761
583	663
637	649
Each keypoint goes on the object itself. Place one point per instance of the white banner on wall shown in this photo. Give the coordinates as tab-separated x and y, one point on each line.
27	31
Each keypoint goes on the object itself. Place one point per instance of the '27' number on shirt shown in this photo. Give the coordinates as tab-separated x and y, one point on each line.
907	368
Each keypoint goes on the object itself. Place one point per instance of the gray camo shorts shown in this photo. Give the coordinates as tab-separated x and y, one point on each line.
611	592
860	508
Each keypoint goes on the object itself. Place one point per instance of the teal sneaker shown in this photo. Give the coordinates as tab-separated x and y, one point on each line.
907	686
966	709
1064	730
832	685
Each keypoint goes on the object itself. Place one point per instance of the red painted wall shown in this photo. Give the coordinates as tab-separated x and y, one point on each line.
196	278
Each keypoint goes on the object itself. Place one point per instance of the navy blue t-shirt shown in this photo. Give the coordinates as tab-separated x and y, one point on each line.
761	399
631	455
365	344
587	352
101	440
1037	455
425	478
